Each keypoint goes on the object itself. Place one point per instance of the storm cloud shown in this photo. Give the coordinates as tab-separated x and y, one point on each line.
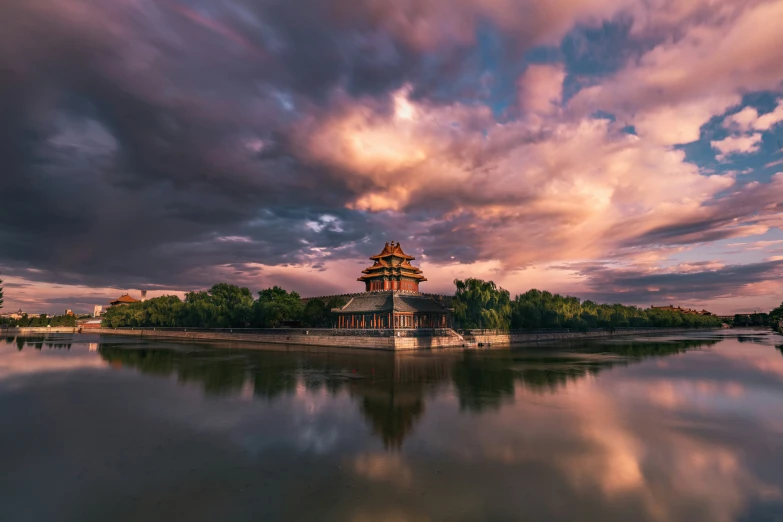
168	144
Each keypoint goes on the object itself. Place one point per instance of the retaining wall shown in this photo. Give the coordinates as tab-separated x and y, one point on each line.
506	338
39	330
380	339
368	339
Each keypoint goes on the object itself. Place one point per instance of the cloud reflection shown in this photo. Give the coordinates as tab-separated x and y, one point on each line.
600	431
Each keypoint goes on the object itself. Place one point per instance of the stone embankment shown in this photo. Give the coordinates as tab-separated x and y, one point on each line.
395	340
369	339
490	337
419	339
36	330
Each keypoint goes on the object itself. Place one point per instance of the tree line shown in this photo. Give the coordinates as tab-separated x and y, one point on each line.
483	304
41	321
476	303
225	306
776	318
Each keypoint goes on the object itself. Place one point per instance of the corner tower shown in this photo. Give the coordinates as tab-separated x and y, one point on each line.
392	270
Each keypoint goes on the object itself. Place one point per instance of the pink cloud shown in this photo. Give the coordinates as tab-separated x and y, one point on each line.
737	145
427	24
541	88
689	79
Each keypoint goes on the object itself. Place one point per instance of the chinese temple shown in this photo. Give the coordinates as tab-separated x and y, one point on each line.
124	299
392	298
392	270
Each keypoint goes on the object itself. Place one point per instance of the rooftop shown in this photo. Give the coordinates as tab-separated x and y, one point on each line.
378	302
125	299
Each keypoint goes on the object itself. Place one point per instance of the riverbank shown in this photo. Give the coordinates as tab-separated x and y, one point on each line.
391	340
38	330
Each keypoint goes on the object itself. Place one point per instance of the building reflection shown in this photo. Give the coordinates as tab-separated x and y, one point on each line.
390	389
37	342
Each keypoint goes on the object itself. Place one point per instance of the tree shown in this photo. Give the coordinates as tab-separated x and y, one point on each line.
481	304
774	316
317	313
275	305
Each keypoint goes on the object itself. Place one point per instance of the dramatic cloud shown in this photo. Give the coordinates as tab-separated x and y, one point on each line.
684	283
168	144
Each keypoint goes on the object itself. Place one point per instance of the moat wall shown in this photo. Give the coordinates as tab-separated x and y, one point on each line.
37	330
395	340
367	339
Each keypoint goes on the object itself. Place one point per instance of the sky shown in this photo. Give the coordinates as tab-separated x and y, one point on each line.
623	151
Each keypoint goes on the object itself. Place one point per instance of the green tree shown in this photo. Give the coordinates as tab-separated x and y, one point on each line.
317	313
776	315
481	304
542	309
275	305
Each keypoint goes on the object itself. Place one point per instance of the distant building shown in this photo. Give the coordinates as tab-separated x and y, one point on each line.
124	299
91	324
19	314
97	311
686	311
392	298
69	312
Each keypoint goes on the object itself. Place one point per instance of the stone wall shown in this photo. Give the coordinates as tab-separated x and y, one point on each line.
38	330
315	337
505	338
396	340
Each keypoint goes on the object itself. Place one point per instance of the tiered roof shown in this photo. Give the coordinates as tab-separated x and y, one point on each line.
380	302
392	261
125	299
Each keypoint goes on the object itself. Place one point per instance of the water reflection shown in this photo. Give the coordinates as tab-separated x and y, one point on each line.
38	342
675	429
390	388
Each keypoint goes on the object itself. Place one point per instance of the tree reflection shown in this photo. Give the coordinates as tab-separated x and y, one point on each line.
392	416
218	373
756	339
273	380
484	379
389	388
35	342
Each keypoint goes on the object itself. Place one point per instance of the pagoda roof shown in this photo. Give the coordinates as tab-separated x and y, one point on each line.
125	299
385	264
411	272
392	249
375	302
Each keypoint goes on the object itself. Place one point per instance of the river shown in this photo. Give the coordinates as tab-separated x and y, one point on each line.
681	428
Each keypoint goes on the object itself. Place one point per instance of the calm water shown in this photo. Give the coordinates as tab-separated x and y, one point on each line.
664	429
